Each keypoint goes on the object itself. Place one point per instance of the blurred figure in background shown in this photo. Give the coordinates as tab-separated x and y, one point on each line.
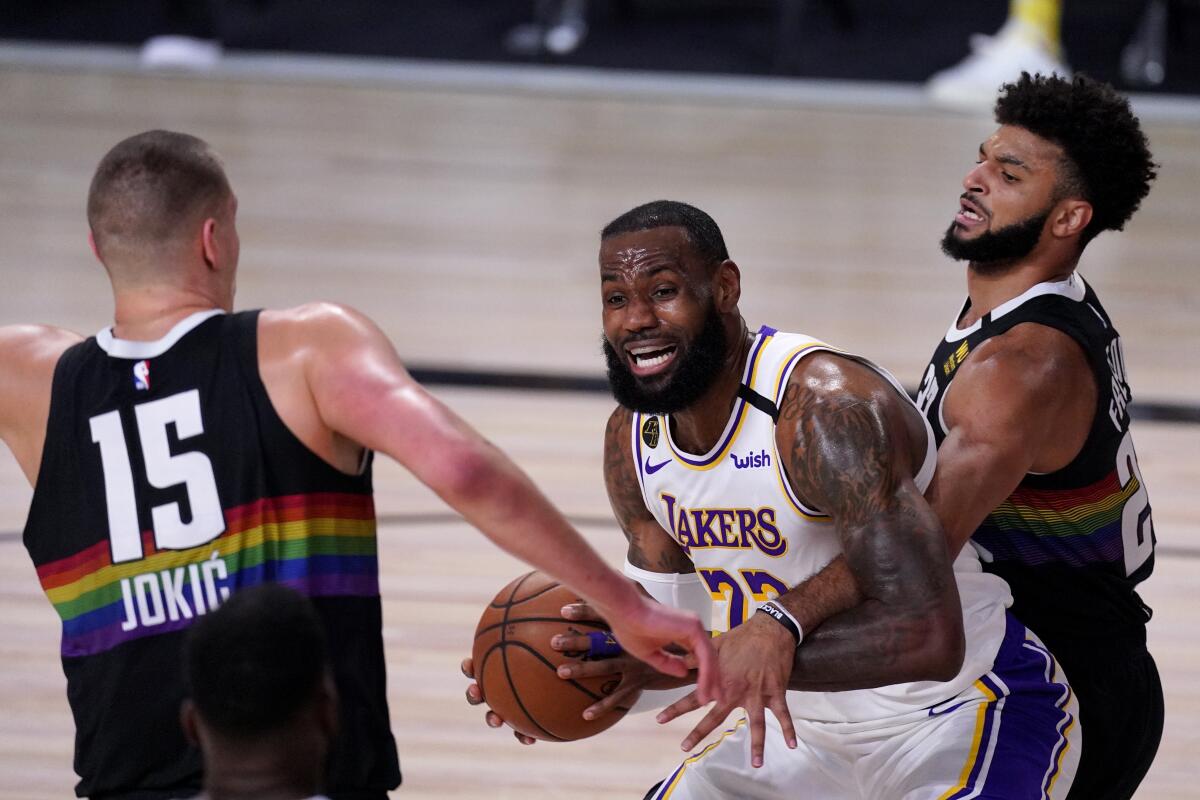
262	706
190	41
1030	41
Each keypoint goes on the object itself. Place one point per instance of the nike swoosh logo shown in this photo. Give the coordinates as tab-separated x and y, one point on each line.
954	707
653	468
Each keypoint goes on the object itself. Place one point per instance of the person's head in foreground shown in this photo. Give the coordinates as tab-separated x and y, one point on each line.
262	706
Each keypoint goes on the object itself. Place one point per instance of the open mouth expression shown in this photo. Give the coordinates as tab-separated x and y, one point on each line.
650	357
970	214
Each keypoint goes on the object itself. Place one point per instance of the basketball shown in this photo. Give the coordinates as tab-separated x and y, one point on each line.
517	669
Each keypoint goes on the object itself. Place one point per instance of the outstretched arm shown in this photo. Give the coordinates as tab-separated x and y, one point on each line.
362	391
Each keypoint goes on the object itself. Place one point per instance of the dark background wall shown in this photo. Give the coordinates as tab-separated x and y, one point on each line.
854	39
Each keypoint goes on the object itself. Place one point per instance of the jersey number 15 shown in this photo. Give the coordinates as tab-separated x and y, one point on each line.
163	470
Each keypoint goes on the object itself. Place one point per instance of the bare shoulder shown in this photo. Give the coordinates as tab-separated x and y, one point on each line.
1029	364
827	386
28	356
316	321
619	470
845	434
618	427
34	348
831	377
324	336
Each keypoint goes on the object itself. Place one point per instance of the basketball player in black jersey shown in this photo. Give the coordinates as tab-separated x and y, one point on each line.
188	451
1028	398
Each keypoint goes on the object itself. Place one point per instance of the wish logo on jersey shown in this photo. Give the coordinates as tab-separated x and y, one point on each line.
751	460
728	528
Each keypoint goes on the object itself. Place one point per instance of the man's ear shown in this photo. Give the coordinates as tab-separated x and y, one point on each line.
728	290
95	249
1070	218
209	248
187	721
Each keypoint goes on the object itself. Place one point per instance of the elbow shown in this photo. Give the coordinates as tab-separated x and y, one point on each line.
945	647
461	473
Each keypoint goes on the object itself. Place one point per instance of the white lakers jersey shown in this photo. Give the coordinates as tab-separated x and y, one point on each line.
734	513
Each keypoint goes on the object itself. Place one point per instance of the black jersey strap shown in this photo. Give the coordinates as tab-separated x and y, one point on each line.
758	401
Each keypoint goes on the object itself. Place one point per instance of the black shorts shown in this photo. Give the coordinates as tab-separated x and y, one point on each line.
1121	717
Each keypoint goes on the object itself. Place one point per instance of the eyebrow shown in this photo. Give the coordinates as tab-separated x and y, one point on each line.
1007	159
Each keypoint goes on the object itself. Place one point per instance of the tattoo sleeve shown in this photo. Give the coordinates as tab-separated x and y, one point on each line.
650	547
847	449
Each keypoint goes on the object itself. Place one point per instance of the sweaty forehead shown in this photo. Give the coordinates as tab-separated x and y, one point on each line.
651	249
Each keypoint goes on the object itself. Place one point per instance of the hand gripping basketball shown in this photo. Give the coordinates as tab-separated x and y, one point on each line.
516	665
534	627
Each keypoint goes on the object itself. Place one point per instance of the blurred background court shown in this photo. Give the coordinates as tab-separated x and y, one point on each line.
412	160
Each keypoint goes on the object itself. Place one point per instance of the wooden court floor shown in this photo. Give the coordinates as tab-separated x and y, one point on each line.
465	222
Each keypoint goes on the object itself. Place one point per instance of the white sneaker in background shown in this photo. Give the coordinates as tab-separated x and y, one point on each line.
180	52
972	84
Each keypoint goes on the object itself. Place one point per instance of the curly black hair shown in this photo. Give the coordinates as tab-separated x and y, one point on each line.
1108	161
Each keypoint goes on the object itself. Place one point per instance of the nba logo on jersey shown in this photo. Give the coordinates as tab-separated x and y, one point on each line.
141	376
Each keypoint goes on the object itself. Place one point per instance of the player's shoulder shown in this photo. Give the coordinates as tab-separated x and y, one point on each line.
829	377
1039	358
319	324
619	425
34	347
314	316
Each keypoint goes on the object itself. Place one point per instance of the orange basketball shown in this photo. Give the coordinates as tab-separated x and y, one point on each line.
516	667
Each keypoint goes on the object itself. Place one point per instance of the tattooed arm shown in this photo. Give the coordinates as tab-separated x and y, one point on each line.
650	547
851	446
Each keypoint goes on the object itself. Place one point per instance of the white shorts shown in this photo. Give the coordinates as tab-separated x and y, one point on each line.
1014	735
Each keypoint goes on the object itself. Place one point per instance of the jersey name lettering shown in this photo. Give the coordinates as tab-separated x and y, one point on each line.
1121	395
730	528
153	598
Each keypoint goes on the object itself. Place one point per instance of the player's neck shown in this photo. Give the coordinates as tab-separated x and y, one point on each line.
989	289
263	774
148	313
697	428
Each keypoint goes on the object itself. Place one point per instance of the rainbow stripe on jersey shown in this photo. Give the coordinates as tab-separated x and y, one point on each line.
1075	527
321	544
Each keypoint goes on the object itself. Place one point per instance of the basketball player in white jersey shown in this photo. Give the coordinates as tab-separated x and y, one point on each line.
739	464
1028	396
303	393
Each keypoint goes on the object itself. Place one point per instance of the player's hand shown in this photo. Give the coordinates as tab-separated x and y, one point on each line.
756	664
634	675
652	632
475	698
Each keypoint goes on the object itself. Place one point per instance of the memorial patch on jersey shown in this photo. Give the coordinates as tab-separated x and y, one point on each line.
957	358
650	432
727	528
321	544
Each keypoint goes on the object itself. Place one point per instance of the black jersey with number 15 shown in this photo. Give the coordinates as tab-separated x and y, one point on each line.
168	482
